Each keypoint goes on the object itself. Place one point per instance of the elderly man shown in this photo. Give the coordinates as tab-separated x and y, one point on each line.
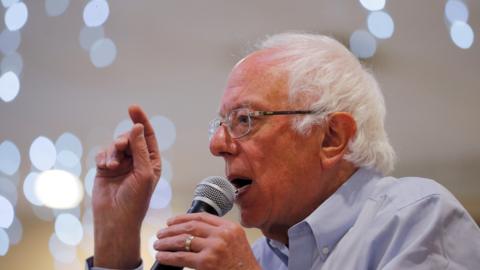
301	131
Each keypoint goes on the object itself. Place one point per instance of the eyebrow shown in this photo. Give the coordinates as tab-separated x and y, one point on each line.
239	106
252	105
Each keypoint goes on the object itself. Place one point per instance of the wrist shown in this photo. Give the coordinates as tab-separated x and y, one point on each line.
116	247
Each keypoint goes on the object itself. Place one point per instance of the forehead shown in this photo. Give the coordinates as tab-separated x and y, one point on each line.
257	81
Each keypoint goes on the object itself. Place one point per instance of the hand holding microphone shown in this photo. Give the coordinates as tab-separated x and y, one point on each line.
214	195
201	239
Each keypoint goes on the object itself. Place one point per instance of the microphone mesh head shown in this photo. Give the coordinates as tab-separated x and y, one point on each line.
217	190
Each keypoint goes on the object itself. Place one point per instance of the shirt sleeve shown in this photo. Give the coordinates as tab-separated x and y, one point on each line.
89	266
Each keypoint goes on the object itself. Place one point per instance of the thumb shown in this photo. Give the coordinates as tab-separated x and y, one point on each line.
140	155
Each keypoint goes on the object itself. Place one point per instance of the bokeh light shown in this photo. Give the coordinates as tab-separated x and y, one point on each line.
76	264
87	244
462	34
56	7
96	13
15	232
151	241
4	242
380	24
162	195
12	62
89	35
61	251
68	161
16	16
9	41
167	172
70	142
15	179
43	153
456	10
89	181
103	52
373	5
7	213
7	3
87	222
76	211
123	127
165	131
9	158
9	86
58	189
363	44
68	229
158	217
29	189
8	190
43	213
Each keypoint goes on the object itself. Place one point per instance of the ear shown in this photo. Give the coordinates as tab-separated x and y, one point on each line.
339	129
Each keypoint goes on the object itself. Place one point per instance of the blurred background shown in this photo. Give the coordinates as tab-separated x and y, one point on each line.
70	69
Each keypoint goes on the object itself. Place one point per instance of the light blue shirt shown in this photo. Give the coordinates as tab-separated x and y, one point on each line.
375	222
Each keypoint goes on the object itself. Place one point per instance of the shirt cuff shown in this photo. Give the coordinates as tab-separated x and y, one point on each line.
89	266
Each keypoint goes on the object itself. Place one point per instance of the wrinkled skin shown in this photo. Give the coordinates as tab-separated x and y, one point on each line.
218	243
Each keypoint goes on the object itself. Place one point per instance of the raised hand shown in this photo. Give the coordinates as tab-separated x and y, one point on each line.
127	172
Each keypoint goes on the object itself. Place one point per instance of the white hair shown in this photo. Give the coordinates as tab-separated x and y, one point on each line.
326	77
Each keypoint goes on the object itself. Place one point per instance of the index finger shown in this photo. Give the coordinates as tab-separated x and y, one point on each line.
139	116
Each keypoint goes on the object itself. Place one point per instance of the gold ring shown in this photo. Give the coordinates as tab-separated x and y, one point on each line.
188	242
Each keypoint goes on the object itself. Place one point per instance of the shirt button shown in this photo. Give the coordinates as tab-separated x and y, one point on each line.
325	250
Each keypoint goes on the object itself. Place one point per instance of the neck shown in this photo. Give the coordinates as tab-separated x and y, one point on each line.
334	179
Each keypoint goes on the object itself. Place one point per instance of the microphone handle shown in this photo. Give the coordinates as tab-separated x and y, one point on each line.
197	207
158	266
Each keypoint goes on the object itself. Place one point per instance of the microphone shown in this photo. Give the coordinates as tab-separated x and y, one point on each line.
214	195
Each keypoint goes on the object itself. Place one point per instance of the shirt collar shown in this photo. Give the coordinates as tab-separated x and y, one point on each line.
334	217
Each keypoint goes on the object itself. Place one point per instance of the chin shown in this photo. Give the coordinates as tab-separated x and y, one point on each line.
245	221
248	220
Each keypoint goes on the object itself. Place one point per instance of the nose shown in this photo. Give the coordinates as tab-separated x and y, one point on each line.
222	144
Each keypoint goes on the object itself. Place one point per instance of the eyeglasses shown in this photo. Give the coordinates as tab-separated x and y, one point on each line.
239	121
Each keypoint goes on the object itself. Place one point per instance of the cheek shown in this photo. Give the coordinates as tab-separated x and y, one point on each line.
272	158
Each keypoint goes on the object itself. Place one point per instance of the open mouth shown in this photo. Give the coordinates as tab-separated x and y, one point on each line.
241	183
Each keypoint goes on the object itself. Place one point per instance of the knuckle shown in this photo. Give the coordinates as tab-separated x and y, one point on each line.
223	233
226	231
221	246
190	227
157	170
237	229
100	155
199	217
217	247
208	262
179	243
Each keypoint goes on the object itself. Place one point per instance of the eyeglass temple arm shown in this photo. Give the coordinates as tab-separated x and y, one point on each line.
258	113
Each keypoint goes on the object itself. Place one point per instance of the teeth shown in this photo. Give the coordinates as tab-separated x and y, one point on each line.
241	189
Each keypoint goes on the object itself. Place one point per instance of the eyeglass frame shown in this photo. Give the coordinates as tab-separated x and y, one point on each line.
218	121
